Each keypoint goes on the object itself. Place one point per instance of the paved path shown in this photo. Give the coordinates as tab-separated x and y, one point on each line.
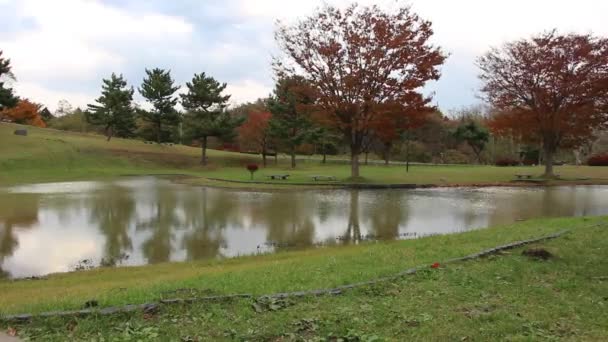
5	338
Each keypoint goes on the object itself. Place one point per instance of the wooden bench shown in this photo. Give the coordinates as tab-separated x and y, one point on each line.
320	178
283	177
523	176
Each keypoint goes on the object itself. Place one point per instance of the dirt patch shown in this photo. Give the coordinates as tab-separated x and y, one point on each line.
538	254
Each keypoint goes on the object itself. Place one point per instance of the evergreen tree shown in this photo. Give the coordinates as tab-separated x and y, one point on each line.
159	90
7	98
114	109
46	115
325	141
290	122
206	114
475	135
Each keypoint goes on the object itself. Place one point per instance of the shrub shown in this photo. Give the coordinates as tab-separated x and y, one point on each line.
506	162
455	157
598	160
252	169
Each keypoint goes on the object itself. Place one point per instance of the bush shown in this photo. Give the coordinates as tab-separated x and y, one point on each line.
598	160
455	157
506	162
252	168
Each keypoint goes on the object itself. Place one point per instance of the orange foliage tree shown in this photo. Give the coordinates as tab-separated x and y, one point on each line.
255	133
25	112
397	123
551	88
362	62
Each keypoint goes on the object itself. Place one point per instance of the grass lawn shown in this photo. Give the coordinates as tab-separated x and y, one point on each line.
48	155
506	297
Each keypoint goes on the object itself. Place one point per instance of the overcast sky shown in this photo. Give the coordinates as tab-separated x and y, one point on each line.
61	49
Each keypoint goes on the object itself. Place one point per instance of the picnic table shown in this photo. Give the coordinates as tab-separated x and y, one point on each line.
283	177
523	176
317	178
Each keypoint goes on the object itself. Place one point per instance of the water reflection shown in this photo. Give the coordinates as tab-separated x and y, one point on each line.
15	214
50	227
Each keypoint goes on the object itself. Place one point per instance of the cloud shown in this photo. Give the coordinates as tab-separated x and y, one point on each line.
63	48
50	97
78	42
247	91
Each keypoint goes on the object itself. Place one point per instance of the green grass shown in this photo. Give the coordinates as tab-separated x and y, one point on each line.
50	155
506	297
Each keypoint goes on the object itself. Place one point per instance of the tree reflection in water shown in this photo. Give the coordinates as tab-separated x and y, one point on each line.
113	211
17	211
164	221
207	213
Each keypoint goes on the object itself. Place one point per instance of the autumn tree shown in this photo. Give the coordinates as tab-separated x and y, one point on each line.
290	107
25	112
159	89
255	132
7	98
553	87
360	60
397	123
475	135
206	114
114	109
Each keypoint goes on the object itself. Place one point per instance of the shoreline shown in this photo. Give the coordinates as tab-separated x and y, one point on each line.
263	185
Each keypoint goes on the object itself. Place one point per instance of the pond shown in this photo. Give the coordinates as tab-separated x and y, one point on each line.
53	227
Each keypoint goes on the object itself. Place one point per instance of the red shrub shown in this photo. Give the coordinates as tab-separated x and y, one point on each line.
598	160
252	169
507	162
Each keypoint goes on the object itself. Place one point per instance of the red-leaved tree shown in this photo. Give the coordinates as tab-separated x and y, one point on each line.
360	61
25	112
397	123
551	88
255	133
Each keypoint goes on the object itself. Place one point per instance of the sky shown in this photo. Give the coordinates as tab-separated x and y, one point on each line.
61	49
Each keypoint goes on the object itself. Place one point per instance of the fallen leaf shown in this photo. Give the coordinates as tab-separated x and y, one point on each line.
11	331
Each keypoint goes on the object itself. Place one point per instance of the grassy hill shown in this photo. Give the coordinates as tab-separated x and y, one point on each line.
51	155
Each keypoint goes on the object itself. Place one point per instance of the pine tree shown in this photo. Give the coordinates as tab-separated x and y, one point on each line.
114	109
7	98
159	90
290	122
206	114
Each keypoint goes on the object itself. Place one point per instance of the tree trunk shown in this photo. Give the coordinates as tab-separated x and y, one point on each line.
158	128
109	133
407	155
387	154
276	157
366	157
204	151
264	156
354	163
293	157
548	162
477	155
324	152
